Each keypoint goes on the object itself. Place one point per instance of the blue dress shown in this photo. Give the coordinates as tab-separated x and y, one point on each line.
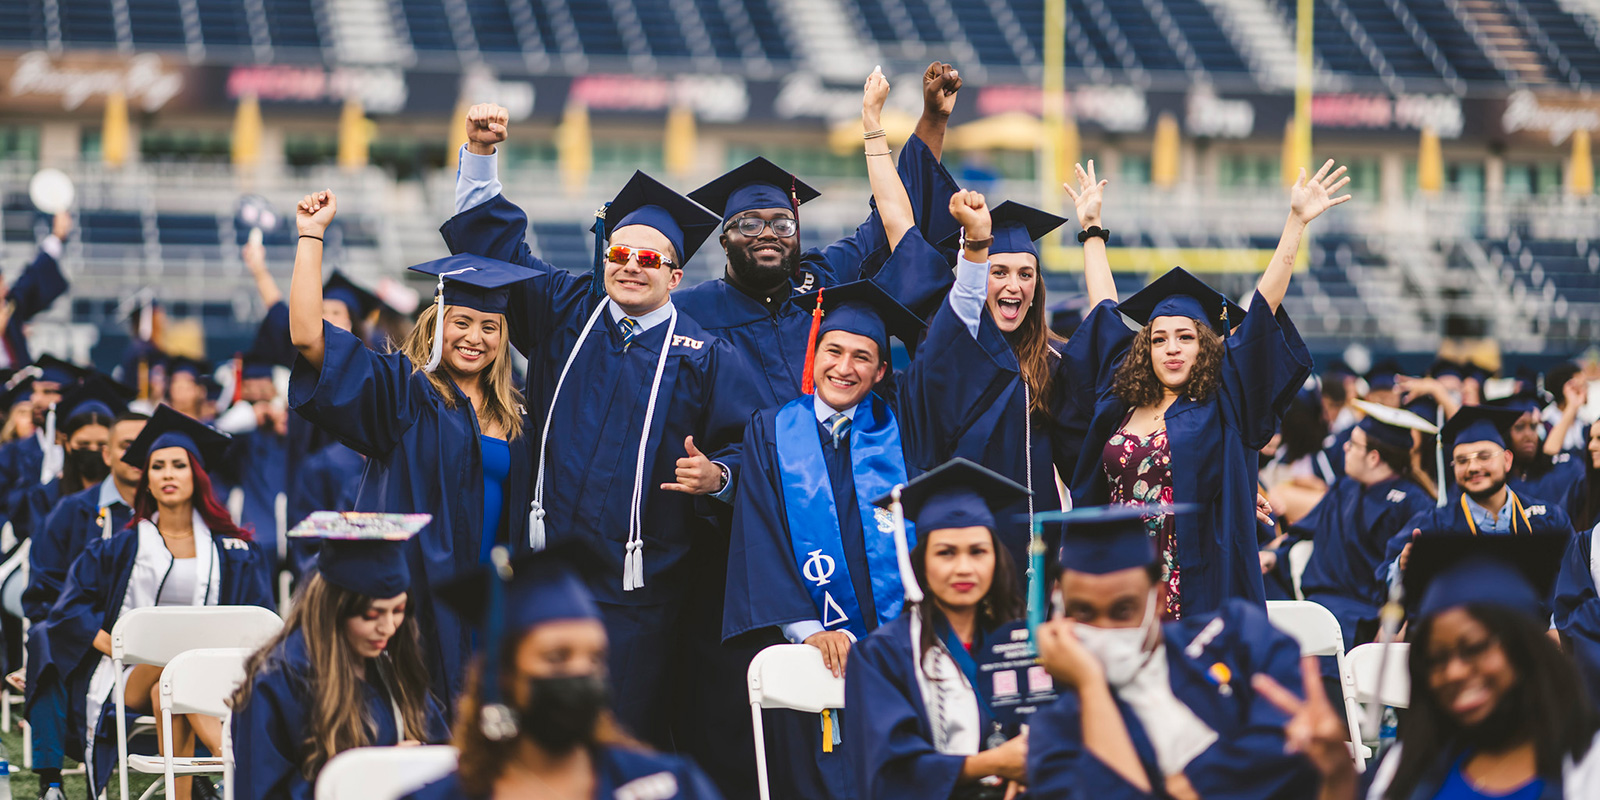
1210	661
621	773
1215	442
421	458
270	732
496	467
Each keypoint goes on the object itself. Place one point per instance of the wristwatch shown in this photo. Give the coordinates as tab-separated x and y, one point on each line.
725	478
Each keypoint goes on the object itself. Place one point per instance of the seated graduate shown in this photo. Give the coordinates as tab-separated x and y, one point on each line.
440	418
918	720
1151	709
36	460
182	550
85	413
1484	503
1557	478
534	720
1577	607
346	670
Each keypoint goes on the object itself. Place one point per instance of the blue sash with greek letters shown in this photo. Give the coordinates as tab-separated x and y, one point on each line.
877	465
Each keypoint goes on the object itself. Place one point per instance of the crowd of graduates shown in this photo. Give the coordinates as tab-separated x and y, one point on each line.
683	476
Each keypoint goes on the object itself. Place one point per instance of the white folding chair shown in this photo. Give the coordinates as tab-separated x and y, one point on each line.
1317	631
1366	663
383	773
1299	557
789	676
157	635
194	682
13	580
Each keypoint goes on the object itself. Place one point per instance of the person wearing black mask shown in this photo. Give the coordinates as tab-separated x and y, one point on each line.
533	720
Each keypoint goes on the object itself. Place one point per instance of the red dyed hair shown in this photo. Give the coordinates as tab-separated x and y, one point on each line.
204	501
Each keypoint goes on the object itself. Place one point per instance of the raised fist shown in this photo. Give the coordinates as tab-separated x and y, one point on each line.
940	82
486	127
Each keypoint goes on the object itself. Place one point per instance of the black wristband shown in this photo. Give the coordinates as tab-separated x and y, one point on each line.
309	236
1094	232
977	244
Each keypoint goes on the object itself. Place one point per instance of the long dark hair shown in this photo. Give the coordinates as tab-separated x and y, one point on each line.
71	481
1135	381
1589	510
1303	429
1548	703
1033	342
999	605
204	501
336	714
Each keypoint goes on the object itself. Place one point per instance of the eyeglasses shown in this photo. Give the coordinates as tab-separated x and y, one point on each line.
1469	653
782	227
648	259
1468	459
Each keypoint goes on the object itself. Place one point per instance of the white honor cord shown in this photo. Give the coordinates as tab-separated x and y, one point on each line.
54	456
438	320
536	540
1027	438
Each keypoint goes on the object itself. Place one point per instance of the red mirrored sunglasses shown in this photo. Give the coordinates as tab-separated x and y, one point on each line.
648	259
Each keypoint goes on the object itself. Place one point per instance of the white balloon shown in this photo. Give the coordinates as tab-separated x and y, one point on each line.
51	191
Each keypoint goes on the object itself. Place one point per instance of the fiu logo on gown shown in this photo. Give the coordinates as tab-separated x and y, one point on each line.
819	570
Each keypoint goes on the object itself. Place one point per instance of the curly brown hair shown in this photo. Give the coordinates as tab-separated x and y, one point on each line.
1136	384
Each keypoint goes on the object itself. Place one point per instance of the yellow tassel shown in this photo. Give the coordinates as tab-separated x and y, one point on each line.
827	730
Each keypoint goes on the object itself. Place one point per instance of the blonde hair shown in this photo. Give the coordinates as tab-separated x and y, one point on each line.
501	400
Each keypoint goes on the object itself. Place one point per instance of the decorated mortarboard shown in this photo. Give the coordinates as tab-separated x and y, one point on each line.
1015	228
169	428
359	301
475	282
54	370
1180	294
96	394
956	494
361	551
1103	539
1515	572
651	203
1391	426
1480	424
755	184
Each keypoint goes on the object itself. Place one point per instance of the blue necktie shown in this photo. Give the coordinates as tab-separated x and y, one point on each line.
630	329
839	427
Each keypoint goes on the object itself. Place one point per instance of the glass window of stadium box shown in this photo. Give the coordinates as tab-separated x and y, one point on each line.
406	159
185	145
310	149
1523	178
19	142
1249	171
1135	170
809	163
607	156
89	143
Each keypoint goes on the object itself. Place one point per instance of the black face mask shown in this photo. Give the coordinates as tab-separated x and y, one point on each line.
562	713
89	464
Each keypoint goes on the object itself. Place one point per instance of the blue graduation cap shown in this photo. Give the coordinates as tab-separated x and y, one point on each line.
1445	368
363	552
358	300
755	184
254	364
1016	228
865	309
1180	294
1391	426
651	203
169	428
1523	402
1480	424
184	365
1103	539
96	394
539	587
956	494
1515	572
54	370
475	282
1382	374
18	384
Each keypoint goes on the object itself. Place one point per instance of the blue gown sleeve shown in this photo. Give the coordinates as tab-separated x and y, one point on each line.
954	378
1577	609
48	559
268	733
366	400
1094	352
1397	543
763	589
79	613
272	336
1061	768
727	402
1264	365
255	579
34	291
894	760
32	505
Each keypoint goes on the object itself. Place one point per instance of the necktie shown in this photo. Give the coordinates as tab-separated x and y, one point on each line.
630	329
839	427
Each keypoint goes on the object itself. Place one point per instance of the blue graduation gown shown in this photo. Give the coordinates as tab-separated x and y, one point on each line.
326	481
270	731
33	505
1246	761
1560	480
20	462
1215	442
33	291
255	466
423	458
659	777
1577	609
1351	525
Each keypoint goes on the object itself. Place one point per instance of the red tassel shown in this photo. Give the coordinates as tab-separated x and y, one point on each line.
238	379
807	385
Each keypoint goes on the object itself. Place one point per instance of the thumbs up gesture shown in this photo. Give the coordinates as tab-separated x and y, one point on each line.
696	474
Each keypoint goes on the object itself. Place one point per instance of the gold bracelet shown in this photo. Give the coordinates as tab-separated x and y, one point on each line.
877	134
889	153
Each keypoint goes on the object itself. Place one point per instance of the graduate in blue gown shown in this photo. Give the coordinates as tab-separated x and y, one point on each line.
33	292
84	418
257	467
1153	710
28	463
328	480
642	413
1191	400
350	616
1559	478
183	550
538	724
921	720
1577	607
431	418
1354	521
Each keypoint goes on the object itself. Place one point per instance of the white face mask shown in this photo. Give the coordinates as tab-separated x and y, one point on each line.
1121	650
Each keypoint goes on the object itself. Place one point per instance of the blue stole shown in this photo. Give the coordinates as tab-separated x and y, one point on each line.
877	465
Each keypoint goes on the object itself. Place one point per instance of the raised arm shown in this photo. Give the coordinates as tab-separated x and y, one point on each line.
255	258
311	217
1096	264
477	177
940	82
1575	395
1307	200
894	204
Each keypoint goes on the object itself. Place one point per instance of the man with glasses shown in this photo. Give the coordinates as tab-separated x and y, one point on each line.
1482	505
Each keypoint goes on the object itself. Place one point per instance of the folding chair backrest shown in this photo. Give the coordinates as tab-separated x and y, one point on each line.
383	773
793	676
1366	662
1314	627
157	635
1299	557
201	681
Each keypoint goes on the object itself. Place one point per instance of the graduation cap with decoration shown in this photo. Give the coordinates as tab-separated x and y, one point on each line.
363	552
506	599
1479	424
1016	228
169	428
859	307
1391	426
96	394
358	300
475	282
754	185
1180	294
1515	572
651	203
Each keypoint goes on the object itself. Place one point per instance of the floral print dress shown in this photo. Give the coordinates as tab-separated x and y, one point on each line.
1139	470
